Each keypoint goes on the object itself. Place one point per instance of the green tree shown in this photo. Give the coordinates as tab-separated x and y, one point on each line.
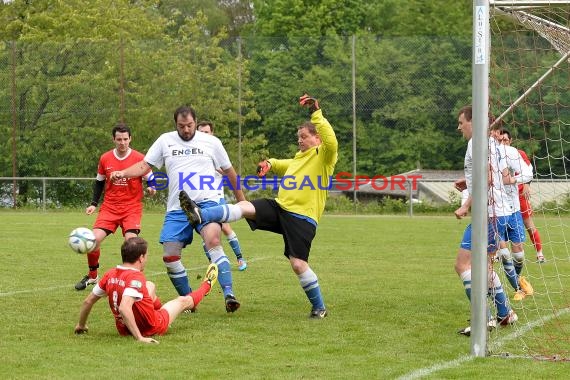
105	57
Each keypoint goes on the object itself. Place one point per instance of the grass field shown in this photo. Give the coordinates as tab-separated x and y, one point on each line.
394	299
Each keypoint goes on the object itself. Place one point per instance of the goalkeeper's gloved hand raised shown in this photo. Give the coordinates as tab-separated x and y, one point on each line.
262	168
308	101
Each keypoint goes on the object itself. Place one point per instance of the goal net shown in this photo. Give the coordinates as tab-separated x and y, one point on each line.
530	93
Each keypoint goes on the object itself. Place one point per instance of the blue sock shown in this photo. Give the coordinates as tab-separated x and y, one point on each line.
466	279
178	277
234	243
217	214
510	272
518	261
499	297
310	284
224	269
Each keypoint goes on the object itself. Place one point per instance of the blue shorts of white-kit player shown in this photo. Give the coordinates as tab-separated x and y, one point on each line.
514	232
176	227
495	227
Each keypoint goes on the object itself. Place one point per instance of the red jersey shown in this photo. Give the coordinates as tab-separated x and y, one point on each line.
524	156
121	281
527	161
122	194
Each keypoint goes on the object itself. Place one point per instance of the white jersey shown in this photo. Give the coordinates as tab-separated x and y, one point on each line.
520	170
218	182
190	166
468	166
498	201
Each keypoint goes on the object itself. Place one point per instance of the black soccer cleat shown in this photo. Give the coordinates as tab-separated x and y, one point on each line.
86	280
232	304
190	208
318	313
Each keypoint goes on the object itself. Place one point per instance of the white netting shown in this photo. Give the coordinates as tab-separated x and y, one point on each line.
530	90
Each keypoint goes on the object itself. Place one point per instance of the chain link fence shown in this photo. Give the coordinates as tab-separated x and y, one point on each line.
392	102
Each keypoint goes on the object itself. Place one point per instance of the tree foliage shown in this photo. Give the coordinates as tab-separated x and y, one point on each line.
80	66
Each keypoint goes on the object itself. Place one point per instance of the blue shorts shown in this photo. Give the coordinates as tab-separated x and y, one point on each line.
176	228
514	232
208	204
495	227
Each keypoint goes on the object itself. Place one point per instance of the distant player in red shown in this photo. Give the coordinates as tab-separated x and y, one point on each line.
132	299
122	204
526	208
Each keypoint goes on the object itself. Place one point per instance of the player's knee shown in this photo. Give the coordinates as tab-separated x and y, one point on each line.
299	266
504	253
462	261
518	256
214	242
172	251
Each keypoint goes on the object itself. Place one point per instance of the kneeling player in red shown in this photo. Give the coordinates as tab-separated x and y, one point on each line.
132	299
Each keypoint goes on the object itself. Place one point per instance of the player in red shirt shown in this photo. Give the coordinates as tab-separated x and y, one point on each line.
132	299
526	208
122	204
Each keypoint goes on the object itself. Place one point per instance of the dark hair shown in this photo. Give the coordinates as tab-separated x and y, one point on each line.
204	123
184	111
132	249
310	127
121	128
467	112
504	131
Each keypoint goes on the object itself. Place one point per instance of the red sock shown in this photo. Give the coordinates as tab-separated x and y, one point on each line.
93	262
535	238
157	304
198	295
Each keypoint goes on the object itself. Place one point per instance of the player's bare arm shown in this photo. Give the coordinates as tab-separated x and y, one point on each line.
464	209
126	311
460	184
151	189
526	191
232	177
508	179
137	170
81	327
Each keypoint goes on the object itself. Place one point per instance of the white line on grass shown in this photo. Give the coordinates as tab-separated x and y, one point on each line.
493	346
148	274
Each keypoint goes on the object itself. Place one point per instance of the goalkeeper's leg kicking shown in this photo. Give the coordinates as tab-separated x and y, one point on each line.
295	213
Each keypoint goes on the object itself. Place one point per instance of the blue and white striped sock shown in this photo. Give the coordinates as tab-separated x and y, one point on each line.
518	261
310	284
501	302
178	277
224	269
234	243
466	279
221	214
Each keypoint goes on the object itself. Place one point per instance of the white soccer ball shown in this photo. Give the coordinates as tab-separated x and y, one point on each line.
82	240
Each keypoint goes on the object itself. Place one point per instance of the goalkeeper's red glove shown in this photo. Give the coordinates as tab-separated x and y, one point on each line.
308	101
262	168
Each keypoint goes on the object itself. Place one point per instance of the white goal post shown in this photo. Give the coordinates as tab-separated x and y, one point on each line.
521	75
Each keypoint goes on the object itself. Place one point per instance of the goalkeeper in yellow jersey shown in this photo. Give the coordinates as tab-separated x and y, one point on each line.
300	202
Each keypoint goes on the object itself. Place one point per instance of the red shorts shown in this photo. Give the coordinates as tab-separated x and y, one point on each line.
526	208
162	322
110	221
160	325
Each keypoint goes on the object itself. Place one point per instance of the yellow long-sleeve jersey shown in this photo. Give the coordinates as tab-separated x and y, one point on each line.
306	177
